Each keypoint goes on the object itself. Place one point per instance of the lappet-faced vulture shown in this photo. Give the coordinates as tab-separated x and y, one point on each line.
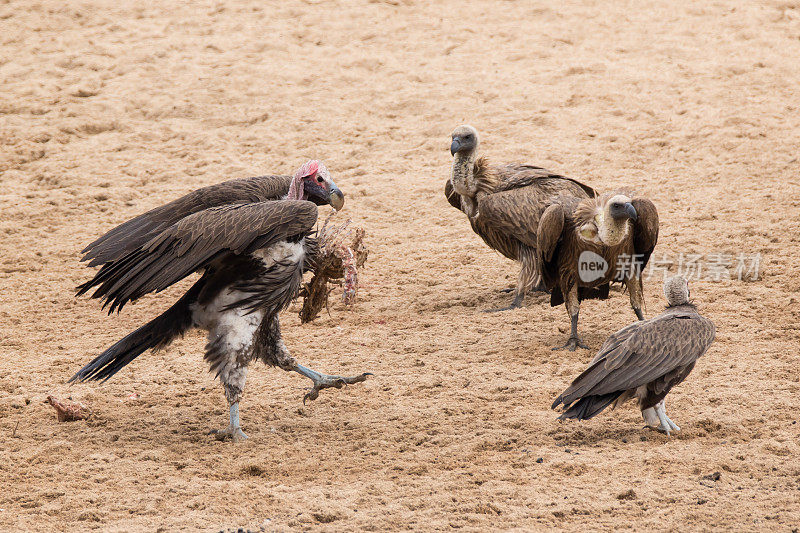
644	361
504	203
582	245
250	239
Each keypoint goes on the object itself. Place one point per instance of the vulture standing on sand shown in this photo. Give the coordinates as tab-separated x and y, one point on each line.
504	203
643	360
250	240
583	245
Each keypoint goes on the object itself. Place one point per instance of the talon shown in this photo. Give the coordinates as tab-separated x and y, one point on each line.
234	433
328	382
572	344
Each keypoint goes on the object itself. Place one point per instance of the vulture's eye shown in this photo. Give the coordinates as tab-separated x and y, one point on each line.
319	179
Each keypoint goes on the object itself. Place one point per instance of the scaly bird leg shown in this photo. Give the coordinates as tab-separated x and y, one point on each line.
233	383
324	381
650	417
667	425
233	431
574	340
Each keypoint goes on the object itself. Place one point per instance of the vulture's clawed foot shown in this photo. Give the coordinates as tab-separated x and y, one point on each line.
666	425
324	381
572	344
507	290
233	433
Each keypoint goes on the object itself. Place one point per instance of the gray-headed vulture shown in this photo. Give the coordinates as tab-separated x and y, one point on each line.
504	203
583	245
644	361
250	240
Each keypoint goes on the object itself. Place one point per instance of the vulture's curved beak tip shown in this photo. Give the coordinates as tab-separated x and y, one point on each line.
337	199
630	211
454	146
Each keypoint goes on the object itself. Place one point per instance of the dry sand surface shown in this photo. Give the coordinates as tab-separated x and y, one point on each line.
107	110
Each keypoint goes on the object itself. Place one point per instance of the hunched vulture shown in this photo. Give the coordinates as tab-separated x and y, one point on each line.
250	239
504	203
643	360
583	245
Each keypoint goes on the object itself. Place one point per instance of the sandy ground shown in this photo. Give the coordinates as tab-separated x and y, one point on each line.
107	111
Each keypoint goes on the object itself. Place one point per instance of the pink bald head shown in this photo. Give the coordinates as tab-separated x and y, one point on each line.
313	182
307	169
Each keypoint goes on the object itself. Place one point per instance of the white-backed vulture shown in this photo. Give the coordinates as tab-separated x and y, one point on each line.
504	203
643	360
583	245
250	239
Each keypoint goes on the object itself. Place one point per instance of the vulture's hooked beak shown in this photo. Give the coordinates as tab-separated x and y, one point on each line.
455	146
630	212
336	197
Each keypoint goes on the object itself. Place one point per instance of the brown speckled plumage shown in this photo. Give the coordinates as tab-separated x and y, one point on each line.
506	204
560	245
645	360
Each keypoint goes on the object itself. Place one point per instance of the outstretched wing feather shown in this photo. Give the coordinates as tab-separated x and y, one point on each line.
134	233
195	241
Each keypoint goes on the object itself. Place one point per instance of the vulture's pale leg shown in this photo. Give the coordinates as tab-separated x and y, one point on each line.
274	352
650	417
667	425
234	430
233	382
324	381
230	340
573	308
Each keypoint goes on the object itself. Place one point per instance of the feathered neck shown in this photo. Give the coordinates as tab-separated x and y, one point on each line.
296	189
594	224
472	175
690	304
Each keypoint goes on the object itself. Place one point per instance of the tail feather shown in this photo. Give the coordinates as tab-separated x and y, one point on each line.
589	406
155	334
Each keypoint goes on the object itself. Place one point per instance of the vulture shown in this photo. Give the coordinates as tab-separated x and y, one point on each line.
504	203
584	244
251	241
643	360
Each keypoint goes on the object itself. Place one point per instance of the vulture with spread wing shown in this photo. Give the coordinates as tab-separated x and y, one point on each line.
504	203
643	360
583	245
250	239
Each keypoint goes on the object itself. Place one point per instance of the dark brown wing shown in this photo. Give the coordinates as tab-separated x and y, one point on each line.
645	230
551	225
513	212
452	196
137	231
642	353
515	176
194	242
517	211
